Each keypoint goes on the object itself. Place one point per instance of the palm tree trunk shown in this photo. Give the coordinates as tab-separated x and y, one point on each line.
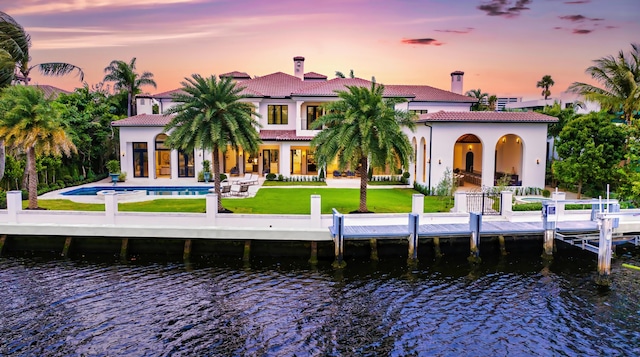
33	178
364	179
129	104
3	159
216	177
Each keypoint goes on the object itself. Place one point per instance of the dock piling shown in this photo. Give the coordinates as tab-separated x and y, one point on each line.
373	243
186	254
246	256
475	223
414	225
338	240
124	248
313	260
436	247
604	252
503	248
65	249
549	224
3	239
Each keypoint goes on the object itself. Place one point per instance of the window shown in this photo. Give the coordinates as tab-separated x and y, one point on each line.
278	114
418	111
313	113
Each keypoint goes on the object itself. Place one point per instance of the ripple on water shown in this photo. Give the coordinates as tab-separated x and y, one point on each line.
74	308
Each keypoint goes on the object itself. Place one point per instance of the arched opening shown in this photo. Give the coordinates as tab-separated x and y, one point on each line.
414	144
423	146
163	157
508	169
467	160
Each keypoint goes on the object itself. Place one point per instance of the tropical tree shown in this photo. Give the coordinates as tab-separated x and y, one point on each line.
480	96
341	75
364	129
128	80
15	41
209	115
619	78
30	123
492	101
590	148
545	83
14	53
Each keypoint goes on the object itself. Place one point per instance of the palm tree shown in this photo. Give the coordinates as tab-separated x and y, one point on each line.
620	80
480	96
545	83
15	41
14	53
210	115
492	101
363	129
29	123
125	77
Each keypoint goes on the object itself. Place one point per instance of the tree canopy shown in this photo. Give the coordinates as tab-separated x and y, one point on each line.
128	80
545	83
363	129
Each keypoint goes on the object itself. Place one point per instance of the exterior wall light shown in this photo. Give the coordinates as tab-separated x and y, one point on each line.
439	162
537	161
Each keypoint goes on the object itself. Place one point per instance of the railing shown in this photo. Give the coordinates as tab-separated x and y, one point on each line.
486	203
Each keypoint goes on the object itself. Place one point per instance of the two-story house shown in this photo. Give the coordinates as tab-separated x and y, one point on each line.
449	135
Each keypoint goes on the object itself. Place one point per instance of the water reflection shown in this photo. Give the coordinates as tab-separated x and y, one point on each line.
508	305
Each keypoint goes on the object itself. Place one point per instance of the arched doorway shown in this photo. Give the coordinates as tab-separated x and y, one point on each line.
508	169
467	160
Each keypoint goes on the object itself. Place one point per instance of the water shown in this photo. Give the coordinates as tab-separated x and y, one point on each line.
504	307
151	191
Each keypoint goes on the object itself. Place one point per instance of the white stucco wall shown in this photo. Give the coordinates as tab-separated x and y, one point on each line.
532	136
434	107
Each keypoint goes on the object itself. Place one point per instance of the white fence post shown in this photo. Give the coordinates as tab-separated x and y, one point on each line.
110	206
316	211
507	203
211	207
417	204
559	196
460	202
14	205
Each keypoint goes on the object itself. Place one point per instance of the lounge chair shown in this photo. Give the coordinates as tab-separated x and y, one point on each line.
239	190
246	177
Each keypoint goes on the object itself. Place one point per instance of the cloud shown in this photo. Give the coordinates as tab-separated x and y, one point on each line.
505	7
581	31
577	2
422	41
579	18
468	29
47	6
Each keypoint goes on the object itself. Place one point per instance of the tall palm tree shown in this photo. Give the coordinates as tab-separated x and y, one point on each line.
480	96
125	77
492	101
15	41
29	123
545	83
209	115
619	77
364	129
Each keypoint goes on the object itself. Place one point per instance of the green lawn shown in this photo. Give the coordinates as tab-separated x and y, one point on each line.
277	201
293	183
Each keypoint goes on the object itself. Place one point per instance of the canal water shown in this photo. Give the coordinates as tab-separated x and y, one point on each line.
516	305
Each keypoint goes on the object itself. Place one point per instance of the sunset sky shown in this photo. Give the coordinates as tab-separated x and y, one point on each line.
503	46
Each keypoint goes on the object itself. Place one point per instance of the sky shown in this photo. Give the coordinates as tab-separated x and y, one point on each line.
504	46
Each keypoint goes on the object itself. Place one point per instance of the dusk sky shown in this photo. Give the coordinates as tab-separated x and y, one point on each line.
503	46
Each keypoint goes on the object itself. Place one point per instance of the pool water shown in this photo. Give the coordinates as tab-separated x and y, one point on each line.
151	191
533	199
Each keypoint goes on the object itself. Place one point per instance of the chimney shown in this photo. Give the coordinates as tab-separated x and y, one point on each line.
298	67
457	81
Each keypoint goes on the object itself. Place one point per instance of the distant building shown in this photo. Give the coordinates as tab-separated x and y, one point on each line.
566	100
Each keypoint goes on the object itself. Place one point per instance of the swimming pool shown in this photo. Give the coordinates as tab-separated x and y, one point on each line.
150	190
533	199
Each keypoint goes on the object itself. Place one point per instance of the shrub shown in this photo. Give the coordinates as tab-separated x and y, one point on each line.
546	193
122	177
280	177
113	166
406	175
223	177
271	177
200	176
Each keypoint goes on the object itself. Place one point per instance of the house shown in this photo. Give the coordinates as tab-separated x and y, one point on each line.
289	104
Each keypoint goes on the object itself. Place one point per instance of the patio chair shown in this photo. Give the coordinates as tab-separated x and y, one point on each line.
239	190
337	173
225	190
246	177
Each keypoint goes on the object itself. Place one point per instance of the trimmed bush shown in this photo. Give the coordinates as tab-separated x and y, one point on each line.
546	193
271	177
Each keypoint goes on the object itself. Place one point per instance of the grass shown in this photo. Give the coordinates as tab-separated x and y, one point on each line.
293	183
277	201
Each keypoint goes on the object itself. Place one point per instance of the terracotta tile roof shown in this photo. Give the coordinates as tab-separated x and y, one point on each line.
314	75
431	94
278	85
167	94
236	75
329	88
487	117
282	135
50	92
143	120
